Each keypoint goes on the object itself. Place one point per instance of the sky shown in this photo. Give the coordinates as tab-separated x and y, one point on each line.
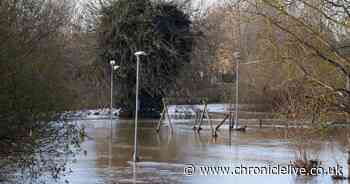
205	2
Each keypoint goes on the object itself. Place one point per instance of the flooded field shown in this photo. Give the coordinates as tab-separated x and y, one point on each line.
163	156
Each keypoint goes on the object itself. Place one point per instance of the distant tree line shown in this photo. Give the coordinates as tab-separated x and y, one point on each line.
294	55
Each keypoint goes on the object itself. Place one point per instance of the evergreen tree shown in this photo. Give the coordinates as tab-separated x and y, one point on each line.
161	29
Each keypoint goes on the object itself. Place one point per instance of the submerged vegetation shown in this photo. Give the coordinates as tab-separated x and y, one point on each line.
36	84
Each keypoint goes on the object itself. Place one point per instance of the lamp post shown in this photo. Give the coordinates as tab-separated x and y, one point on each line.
113	68
237	57
137	54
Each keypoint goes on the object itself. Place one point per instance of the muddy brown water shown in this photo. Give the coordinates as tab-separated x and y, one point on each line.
164	156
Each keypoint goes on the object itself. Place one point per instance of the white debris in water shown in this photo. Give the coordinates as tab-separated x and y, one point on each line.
158	164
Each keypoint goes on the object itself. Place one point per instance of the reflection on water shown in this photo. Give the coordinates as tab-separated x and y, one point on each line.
164	155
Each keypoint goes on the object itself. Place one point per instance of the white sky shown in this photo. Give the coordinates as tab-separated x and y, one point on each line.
206	2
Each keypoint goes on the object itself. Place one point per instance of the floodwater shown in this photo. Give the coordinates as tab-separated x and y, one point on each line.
163	156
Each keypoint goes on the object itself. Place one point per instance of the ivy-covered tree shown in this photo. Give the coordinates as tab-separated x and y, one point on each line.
161	29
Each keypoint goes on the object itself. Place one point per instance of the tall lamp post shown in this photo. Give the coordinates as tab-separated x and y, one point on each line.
237	57
137	54
113	68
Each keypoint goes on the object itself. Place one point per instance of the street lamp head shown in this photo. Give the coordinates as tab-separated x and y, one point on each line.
116	67
112	62
140	53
